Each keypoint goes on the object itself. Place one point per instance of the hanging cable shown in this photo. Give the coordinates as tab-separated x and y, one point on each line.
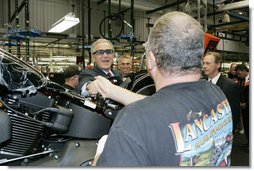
111	18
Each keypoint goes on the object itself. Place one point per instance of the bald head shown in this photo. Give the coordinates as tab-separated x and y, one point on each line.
176	41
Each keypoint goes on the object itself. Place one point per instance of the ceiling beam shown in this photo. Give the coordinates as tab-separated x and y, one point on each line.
17	11
234	5
165	7
100	2
228	23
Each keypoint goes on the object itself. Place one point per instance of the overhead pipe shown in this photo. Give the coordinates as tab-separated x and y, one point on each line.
55	35
100	2
214	13
124	11
165	7
239	30
228	23
234	5
238	16
53	42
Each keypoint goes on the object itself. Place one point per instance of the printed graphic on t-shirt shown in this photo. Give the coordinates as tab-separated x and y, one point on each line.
206	139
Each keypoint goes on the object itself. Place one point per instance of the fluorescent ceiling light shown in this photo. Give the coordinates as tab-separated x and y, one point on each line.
64	23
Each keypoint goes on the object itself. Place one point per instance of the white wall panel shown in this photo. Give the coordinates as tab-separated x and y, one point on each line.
43	13
232	46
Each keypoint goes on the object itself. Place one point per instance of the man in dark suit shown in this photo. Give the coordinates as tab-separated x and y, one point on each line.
244	81
211	66
232	74
103	53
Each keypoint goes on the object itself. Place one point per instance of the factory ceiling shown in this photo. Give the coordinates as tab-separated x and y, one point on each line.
230	17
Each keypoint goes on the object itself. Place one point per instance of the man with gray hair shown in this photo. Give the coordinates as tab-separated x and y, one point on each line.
187	122
103	53
125	65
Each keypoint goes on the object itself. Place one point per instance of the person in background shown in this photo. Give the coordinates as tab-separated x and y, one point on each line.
125	65
71	77
186	121
232	74
103	53
89	65
212	66
243	73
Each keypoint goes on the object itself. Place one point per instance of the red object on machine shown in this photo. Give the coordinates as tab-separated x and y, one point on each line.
210	42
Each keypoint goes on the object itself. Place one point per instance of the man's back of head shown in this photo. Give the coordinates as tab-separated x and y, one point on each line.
176	41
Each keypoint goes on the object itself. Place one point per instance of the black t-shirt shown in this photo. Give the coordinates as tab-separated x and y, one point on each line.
185	124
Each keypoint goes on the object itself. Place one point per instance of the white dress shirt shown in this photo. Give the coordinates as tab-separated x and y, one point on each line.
215	79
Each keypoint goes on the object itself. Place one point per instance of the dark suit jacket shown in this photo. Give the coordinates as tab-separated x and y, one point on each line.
233	93
89	74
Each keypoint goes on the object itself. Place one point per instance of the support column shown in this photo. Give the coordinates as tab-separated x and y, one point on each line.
27	30
9	24
83	33
17	26
89	30
109	23
133	28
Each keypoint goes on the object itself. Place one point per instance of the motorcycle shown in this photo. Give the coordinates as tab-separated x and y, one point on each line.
44	124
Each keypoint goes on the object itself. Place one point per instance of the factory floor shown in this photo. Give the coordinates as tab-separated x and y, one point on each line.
240	156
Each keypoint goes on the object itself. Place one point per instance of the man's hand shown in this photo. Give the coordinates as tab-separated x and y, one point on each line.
92	88
243	105
100	85
107	89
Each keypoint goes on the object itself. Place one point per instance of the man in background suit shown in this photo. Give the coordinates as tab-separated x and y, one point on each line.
125	65
244	81
232	74
211	66
103	53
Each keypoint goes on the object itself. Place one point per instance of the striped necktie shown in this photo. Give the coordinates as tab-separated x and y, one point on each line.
109	74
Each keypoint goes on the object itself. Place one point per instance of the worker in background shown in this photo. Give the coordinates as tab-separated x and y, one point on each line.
212	62
125	65
71	77
244	81
232	74
186	121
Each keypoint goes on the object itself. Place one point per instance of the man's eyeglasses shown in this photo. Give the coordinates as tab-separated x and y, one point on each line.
102	52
